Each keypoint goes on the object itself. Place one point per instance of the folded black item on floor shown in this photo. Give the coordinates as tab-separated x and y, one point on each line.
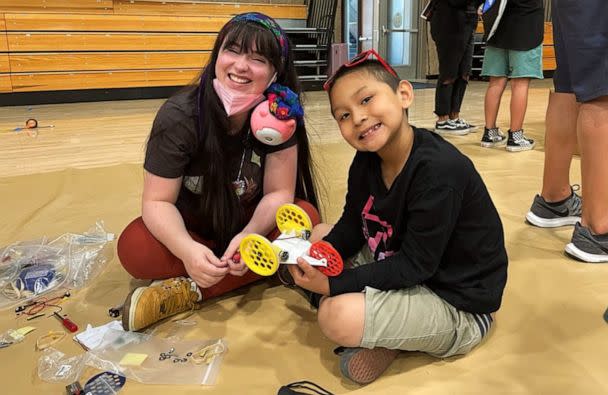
307	386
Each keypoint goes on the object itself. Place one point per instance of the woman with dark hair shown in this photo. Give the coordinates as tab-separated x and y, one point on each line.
208	182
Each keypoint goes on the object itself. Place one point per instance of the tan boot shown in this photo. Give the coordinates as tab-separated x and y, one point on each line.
145	306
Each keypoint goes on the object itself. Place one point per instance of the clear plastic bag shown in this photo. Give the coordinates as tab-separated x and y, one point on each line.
89	254
154	360
31	269
54	367
11	336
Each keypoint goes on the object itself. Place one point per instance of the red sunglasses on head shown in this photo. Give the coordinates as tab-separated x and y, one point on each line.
360	58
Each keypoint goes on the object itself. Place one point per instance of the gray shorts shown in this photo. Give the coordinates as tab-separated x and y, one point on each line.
416	319
581	47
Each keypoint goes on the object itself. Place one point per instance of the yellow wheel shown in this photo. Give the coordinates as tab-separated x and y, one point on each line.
291	217
260	256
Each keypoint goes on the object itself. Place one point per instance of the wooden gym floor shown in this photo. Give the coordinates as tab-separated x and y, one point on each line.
550	337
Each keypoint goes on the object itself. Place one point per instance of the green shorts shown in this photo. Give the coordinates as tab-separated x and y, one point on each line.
498	62
416	319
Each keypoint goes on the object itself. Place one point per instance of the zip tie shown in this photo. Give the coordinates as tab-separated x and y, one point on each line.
208	353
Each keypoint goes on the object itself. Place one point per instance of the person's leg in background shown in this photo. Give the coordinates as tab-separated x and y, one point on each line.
592	126
444	97
589	241
524	65
516	141
449	55
460	87
586	44
462	81
144	257
581	44
560	144
519	102
496	87
495	66
558	204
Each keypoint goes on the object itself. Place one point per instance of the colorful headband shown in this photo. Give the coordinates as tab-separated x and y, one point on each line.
270	24
284	103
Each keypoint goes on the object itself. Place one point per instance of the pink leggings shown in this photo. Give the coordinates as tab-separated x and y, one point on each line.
144	257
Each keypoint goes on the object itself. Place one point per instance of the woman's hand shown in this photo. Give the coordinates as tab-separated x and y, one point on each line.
307	277
232	258
204	267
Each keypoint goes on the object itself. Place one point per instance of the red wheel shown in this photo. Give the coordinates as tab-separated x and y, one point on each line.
324	250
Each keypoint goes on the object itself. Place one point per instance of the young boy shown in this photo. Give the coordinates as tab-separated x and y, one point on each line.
513	53
422	218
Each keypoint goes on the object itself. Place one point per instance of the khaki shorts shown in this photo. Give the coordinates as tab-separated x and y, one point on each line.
416	319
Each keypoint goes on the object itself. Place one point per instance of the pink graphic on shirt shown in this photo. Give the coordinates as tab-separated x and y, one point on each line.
382	231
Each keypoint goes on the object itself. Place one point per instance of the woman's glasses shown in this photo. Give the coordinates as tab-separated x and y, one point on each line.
360	58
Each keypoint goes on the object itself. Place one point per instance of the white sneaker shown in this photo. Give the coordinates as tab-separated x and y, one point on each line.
462	122
517	142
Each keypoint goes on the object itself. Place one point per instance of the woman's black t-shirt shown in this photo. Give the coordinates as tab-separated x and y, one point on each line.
173	150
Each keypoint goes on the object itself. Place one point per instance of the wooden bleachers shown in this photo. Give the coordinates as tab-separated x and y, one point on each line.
55	45
167	7
71	6
5	78
548	49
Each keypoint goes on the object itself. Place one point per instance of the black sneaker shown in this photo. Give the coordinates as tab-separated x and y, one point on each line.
492	138
586	246
463	122
518	142
450	127
548	215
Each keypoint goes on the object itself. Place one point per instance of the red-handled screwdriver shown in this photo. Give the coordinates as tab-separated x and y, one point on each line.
69	325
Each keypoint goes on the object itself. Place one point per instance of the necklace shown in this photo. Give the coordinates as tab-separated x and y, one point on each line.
238	184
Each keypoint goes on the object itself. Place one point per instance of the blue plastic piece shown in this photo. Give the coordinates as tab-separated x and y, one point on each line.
36	278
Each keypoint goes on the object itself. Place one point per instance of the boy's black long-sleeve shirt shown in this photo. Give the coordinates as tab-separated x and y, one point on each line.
435	226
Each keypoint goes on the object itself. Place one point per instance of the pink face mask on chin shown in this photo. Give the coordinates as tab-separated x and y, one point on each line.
234	101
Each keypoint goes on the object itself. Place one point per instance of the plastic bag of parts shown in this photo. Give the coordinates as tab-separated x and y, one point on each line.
31	269
55	367
154	360
11	336
89	254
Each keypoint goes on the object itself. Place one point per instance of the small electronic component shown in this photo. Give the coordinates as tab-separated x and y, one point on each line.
74	389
